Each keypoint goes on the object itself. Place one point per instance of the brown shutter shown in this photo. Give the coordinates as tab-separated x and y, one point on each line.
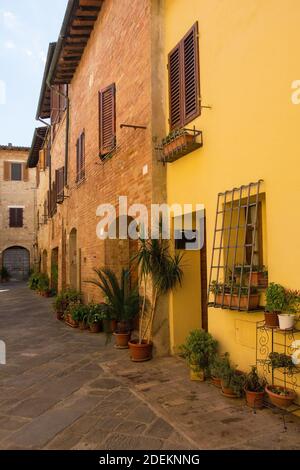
7	167
37	176
15	218
82	156
48	203
25	172
42	159
78	148
191	81
107	119
19	217
175	87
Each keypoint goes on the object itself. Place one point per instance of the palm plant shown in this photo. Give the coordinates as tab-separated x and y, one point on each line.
156	264
121	301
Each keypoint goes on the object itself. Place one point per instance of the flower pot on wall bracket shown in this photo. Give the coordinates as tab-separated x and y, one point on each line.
179	143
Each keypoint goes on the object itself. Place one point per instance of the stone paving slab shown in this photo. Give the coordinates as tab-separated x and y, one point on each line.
66	389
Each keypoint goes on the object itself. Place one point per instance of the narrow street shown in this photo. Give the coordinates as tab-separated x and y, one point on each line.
66	389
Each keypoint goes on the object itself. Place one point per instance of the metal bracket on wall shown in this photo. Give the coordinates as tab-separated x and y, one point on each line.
132	126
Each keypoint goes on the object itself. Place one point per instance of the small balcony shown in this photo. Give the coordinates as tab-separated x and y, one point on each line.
179	143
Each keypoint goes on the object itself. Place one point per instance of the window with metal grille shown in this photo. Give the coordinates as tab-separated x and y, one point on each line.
80	158
60	184
184	80
107	120
15	217
237	254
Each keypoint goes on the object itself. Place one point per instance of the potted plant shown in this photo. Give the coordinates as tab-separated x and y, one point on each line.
176	141
236	296
43	285
68	315
279	396
63	300
254	388
199	351
122	302
94	318
232	380
279	360
33	281
4	274
292	304
80	314
275	304
257	278
163	271
216	369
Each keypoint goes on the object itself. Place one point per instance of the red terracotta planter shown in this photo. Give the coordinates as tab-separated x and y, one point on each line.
140	352
216	382
271	319
122	340
281	401
95	328
255	399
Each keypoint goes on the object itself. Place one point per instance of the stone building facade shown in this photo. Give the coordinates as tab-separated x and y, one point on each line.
17	212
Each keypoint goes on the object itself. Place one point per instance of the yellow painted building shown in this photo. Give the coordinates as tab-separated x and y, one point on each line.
249	62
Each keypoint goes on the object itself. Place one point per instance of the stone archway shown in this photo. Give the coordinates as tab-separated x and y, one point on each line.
73	264
16	260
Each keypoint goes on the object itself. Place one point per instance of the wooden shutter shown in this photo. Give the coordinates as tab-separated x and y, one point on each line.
80	157
7	167
107	119
59	180
42	159
184	81
175	87
37	176
49	203
191	82
25	172
15	218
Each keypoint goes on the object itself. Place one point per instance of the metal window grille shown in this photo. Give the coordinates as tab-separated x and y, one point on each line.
234	251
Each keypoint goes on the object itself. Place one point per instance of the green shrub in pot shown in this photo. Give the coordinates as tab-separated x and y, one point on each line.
199	350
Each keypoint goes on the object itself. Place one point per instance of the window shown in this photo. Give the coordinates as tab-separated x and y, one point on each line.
237	270
60	184
184	81
80	158
15	217
14	171
107	119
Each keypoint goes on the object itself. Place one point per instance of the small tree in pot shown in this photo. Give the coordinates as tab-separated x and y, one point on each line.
216	368
163	271
254	388
232	380
121	302
199	350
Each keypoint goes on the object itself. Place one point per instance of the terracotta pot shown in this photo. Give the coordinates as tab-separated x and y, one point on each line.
83	325
178	143
140	352
259	280
196	375
220	301
243	304
227	391
95	328
286	321
109	326
59	315
255	399
69	321
122	340
281	401
216	382
271	319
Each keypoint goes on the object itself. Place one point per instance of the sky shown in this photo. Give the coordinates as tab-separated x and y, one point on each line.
26	28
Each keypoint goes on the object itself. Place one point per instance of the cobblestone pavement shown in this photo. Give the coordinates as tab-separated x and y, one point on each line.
65	389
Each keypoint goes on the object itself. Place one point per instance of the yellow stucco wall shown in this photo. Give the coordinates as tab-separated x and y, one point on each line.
249	57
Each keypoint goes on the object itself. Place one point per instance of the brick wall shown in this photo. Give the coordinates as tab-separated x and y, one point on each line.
119	51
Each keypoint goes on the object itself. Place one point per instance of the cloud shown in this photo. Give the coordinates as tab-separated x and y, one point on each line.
28	52
42	56
9	44
10	20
